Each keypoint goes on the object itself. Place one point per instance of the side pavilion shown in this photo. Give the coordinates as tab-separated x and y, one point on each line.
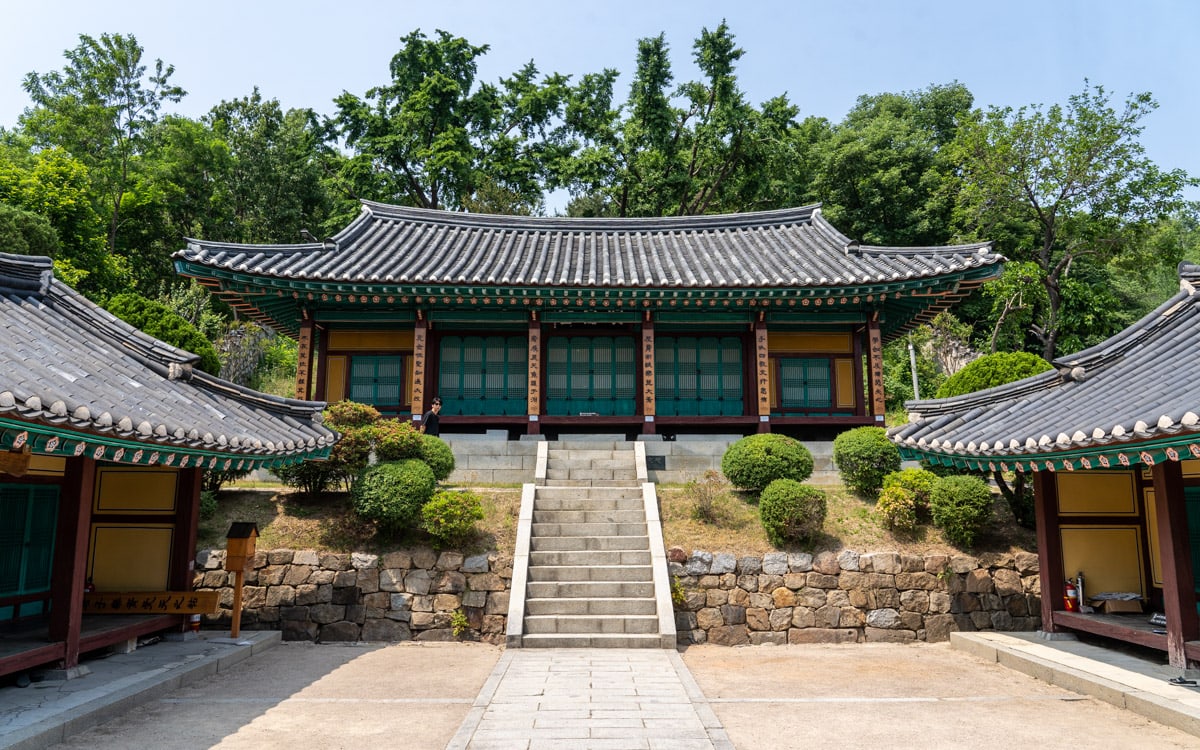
767	321
105	433
1112	438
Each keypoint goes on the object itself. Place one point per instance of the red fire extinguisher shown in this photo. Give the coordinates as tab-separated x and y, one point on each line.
1071	597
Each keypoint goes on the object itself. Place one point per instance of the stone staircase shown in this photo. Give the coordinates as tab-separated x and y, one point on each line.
591	565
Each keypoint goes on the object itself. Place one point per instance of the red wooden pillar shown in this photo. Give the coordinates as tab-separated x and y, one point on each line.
1179	598
533	378
304	360
187	522
1049	542
649	405
71	555
762	365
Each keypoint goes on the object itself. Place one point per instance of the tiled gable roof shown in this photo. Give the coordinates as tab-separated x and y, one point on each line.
1140	387
69	365
790	248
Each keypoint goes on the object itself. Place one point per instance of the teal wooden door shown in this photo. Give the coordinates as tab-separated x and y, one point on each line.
698	376
378	380
590	375
804	384
28	518
1191	499
483	375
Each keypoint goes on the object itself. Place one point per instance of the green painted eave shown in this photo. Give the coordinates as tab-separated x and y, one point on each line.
1149	453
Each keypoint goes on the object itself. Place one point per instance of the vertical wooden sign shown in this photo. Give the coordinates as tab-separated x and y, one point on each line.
418	378
648	402
762	366
875	364
304	360
533	379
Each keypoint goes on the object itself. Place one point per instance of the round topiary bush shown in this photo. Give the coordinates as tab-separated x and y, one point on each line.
435	452
864	456
897	508
961	506
918	481
990	371
396	440
450	516
391	494
791	511
755	461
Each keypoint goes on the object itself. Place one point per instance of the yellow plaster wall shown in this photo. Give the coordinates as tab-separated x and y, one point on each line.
335	379
1152	533
47	466
844	379
135	490
1097	493
130	557
817	341
1110	557
370	340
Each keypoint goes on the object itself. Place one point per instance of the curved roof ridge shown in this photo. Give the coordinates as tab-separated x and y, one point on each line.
24	274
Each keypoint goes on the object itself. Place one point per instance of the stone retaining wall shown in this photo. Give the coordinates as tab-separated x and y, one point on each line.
846	597
327	597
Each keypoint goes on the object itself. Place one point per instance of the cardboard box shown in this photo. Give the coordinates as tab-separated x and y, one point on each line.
1111	606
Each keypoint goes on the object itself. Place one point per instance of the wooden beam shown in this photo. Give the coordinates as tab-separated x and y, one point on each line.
187	523
1179	598
1049	544
649	405
71	556
533	378
304	361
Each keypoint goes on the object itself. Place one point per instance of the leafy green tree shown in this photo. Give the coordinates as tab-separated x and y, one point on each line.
433	138
26	233
157	320
100	108
1062	185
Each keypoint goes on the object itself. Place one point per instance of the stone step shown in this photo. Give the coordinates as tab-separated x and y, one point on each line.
588	589
588	503
589	529
576	543
590	463
593	475
589	515
585	454
580	483
597	606
630	492
591	557
538	624
591	573
591	640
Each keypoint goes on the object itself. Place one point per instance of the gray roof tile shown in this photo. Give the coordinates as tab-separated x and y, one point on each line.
1142	384
68	363
790	248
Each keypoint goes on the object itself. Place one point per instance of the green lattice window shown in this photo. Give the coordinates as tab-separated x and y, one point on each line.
28	515
483	375
804	383
588	375
377	380
698	376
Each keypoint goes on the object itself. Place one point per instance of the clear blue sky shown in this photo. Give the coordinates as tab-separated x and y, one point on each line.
822	54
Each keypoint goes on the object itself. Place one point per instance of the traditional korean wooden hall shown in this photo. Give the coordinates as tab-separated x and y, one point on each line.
769	321
104	435
1112	439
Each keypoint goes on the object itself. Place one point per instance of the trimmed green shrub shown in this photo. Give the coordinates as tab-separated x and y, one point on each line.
864	456
346	414
992	370
450	516
961	507
161	322
755	461
356	424
791	511
311	478
918	481
897	508
208	504
391	494
436	453
396	440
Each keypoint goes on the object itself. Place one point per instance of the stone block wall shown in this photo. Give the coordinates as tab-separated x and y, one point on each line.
399	596
687	457
847	597
491	459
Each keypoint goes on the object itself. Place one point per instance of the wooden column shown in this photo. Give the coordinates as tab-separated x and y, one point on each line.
762	365
649	405
70	557
1179	598
1049	543
187	521
304	360
875	368
533	378
417	397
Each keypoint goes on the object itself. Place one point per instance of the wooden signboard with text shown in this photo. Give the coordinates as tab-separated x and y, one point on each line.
150	603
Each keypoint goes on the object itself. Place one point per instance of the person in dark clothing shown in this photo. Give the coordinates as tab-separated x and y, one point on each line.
429	422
